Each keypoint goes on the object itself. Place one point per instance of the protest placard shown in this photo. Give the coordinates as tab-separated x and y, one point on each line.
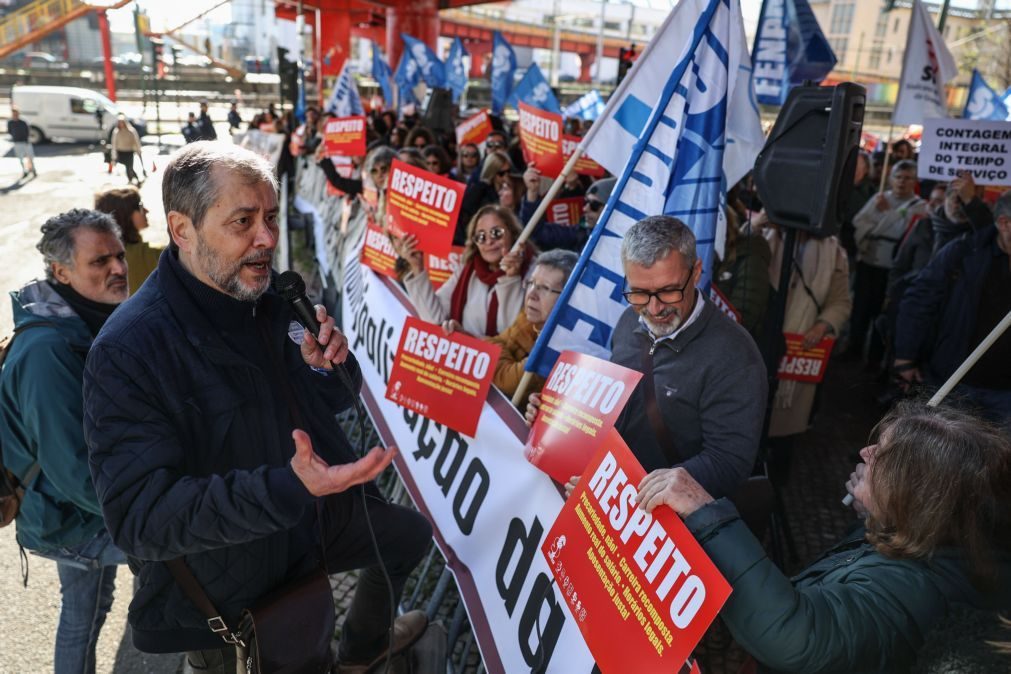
423	204
441	267
474	129
378	253
568	211
580	402
585	166
442	377
541	139
638	584
344	137
800	364
949	146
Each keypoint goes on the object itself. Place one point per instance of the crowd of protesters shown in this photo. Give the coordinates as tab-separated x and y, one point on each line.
917	277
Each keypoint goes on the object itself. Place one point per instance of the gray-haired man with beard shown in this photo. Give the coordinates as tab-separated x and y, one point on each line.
212	435
702	400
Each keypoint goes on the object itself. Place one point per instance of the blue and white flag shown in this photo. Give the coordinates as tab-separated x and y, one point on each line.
344	100
533	89
381	73
789	49
407	76
432	69
675	167
456	73
588	106
983	102
503	65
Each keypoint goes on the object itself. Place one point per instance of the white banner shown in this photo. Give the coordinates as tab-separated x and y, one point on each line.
949	146
927	66
490	508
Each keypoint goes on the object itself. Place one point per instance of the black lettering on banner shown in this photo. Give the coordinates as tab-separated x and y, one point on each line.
452	445
475	472
550	629
426	445
516	536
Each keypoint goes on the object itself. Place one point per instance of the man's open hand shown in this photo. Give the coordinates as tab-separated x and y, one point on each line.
321	479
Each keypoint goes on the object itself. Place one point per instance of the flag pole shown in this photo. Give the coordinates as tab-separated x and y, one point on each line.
528	229
535	219
962	370
888	153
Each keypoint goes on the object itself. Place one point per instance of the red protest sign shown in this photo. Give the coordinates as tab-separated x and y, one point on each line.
800	364
584	165
580	402
423	204
723	304
639	586
568	211
344	136
378	253
474	129
441	267
442	377
541	139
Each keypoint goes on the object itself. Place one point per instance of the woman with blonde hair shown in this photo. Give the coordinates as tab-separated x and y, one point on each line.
483	296
495	173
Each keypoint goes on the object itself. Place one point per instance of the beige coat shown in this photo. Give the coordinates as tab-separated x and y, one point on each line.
125	140
433	305
826	271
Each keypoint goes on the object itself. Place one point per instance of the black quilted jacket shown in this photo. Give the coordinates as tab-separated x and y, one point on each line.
189	444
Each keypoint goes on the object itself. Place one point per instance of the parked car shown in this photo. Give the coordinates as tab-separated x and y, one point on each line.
68	112
36	60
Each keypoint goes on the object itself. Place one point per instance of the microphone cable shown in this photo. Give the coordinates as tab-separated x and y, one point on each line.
292	288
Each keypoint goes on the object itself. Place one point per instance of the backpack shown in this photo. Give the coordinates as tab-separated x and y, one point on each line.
12	487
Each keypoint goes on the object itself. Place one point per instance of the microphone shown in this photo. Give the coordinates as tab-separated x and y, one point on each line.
292	288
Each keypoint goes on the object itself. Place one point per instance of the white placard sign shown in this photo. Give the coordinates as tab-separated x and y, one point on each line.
950	146
489	506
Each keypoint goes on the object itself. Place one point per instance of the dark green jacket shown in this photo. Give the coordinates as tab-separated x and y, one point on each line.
41	419
853	611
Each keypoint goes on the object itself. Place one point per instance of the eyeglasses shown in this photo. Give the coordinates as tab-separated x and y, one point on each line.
495	233
593	205
668	295
469	155
503	172
379	169
539	287
495	144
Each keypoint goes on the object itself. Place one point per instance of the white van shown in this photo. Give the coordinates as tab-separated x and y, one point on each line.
67	112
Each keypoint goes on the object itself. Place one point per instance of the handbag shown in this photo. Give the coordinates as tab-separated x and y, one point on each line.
287	631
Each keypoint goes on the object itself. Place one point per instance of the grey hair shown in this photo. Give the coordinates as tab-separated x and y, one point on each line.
904	165
654	238
189	186
57	242
384	154
1002	208
560	259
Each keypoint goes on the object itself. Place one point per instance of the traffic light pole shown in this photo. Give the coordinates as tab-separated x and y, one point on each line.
156	50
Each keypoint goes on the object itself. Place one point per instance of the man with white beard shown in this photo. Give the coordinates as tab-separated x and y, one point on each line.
701	402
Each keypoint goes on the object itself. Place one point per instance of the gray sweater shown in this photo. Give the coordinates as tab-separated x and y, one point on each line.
711	389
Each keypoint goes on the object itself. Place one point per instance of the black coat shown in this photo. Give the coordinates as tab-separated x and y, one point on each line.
183	432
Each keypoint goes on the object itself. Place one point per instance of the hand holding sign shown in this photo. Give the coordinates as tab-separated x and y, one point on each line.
674	488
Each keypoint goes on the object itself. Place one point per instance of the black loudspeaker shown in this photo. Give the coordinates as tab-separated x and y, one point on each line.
804	174
438	114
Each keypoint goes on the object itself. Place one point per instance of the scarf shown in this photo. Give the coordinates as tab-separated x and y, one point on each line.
488	276
94	314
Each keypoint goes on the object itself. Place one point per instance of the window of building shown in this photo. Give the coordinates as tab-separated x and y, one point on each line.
842	19
881	27
839	45
875	60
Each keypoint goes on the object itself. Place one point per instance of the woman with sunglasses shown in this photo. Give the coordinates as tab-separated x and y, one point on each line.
468	159
485	294
495	172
